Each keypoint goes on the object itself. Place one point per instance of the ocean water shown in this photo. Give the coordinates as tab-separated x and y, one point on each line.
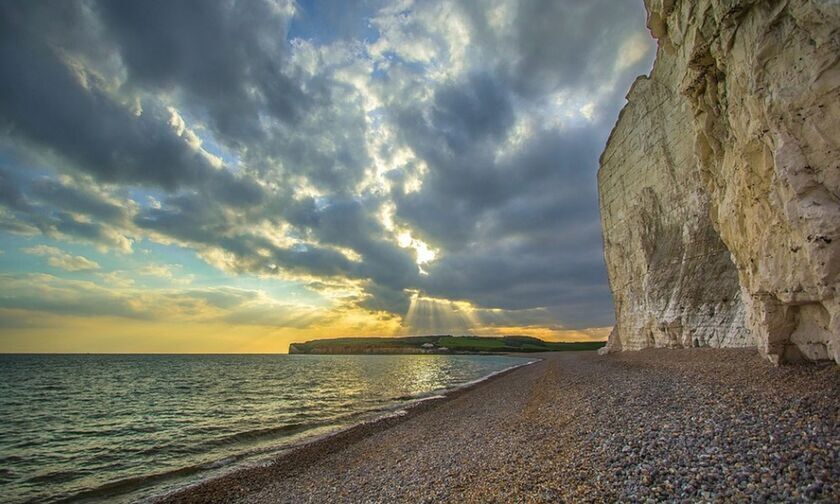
126	428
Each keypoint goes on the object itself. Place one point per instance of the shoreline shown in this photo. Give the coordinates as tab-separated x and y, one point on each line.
319	444
698	424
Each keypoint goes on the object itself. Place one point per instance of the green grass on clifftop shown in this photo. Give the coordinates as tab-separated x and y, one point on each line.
438	344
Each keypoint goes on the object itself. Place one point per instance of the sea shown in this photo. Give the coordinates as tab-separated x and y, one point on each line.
130	428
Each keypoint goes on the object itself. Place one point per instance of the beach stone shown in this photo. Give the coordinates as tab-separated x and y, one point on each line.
720	184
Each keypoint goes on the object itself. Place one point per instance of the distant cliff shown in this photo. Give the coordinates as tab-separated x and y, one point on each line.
720	183
437	344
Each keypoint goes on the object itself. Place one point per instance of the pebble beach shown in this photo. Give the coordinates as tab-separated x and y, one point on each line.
649	426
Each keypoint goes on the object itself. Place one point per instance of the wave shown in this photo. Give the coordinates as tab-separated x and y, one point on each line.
55	476
126	485
131	484
494	373
257	434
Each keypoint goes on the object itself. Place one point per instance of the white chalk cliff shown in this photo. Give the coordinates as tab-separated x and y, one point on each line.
720	183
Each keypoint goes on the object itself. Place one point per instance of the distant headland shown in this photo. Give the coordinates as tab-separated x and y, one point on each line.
438	344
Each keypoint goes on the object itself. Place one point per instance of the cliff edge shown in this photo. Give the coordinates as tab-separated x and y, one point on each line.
720	184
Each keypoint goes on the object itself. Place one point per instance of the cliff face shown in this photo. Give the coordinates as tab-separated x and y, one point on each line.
720	184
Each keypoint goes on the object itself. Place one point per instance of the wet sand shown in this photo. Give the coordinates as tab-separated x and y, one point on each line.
654	425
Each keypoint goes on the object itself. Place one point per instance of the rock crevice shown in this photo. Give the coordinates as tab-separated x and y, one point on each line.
720	183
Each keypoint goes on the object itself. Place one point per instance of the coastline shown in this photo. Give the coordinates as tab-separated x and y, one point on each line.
314	447
693	424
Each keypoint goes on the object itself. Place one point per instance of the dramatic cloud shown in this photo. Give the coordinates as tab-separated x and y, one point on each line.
389	161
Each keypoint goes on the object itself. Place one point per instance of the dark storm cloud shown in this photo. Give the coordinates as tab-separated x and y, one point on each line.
519	233
469	194
475	110
383	298
541	247
225	56
350	224
77	199
50	207
226	61
43	101
11	195
193	220
347	224
456	137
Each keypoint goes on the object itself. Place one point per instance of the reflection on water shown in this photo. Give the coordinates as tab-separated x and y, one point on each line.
138	424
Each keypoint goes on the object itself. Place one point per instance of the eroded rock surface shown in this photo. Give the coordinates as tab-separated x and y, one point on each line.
720	184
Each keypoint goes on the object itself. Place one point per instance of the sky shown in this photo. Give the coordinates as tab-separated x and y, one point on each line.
233	176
